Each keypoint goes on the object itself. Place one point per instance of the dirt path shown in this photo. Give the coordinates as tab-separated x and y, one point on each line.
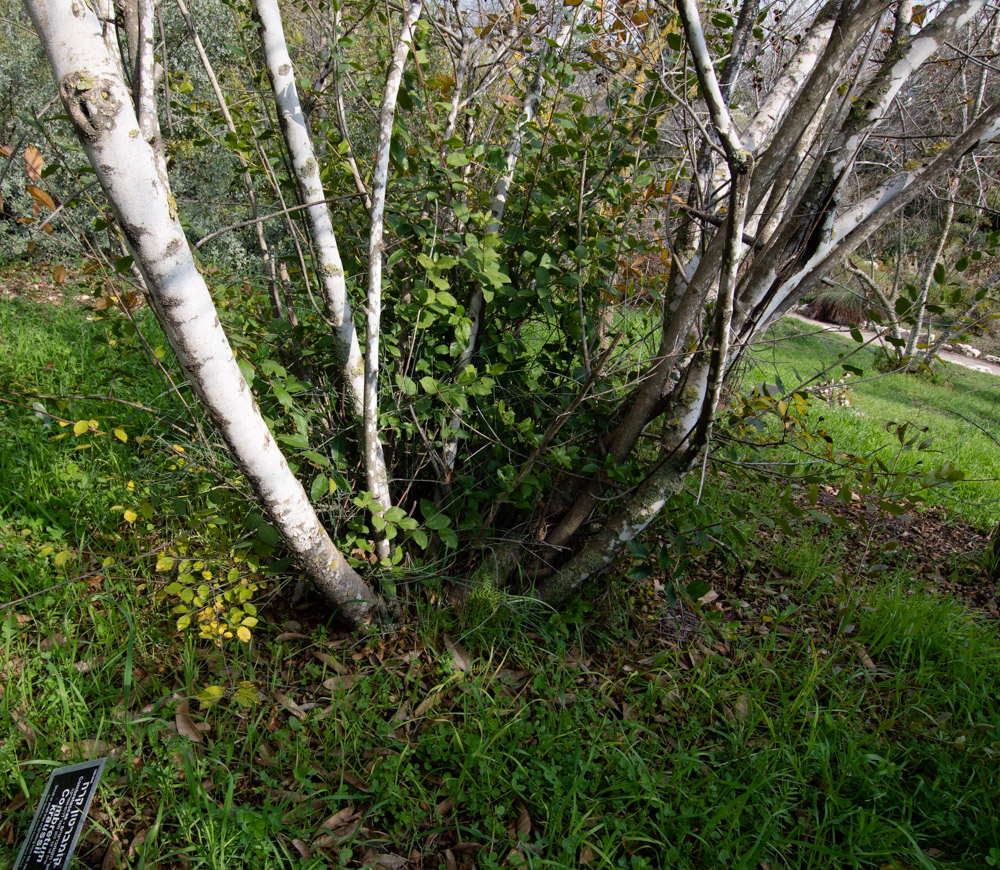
868	335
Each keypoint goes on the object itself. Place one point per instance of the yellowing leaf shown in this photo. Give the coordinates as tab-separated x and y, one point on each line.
246	695
164	563
40	196
33	163
62	558
80	426
210	696
183	622
130	516
121	435
243	633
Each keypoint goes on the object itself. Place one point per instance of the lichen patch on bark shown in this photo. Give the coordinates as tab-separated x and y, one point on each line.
90	102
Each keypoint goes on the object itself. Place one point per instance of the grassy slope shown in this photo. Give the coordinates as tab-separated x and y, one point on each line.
960	409
547	740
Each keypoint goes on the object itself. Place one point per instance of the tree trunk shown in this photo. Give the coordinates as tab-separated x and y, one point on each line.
100	107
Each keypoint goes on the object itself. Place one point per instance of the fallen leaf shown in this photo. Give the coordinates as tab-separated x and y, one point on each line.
112	857
426	704
523	821
341	682
459	655
866	659
303	849
137	841
332	663
339	819
186	726
88	750
289	705
358	783
587	855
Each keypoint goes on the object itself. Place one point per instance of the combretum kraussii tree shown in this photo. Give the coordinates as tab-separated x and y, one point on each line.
544	236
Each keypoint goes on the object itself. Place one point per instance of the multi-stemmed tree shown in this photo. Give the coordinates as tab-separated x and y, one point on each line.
589	214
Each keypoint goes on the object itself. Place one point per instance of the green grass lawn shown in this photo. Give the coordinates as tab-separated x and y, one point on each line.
958	407
813	720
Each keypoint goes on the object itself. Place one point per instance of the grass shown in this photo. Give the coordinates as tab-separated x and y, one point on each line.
959	409
814	722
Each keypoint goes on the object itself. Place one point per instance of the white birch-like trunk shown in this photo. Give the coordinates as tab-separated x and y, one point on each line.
306	170
375	471
100	107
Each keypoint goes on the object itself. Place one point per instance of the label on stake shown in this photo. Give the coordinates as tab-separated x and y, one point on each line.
58	821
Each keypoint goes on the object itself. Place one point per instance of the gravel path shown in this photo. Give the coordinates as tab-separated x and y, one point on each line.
868	334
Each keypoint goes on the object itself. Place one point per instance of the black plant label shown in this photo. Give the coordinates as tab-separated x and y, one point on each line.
59	818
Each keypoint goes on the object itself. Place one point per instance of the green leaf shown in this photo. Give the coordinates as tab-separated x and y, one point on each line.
318	458
247	370
297	440
696	588
939	273
320	487
856	335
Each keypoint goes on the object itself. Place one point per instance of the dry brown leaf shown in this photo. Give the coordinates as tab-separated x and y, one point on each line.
88	750
523	821
137	841
587	855
459	655
341	682
112	857
351	779
33	163
186	726
59	274
866	659
29	733
444	806
40	196
389	861
56	639
449	860
292	635
339	819
303	849
332	663
515	858
289	705
6	150
426	704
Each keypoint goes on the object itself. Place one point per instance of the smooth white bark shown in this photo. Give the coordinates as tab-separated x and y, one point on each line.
375	471
101	110
307	175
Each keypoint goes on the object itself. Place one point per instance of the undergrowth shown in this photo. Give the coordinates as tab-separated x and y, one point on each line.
809	716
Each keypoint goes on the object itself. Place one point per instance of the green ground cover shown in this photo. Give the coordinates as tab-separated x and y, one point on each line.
814	717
